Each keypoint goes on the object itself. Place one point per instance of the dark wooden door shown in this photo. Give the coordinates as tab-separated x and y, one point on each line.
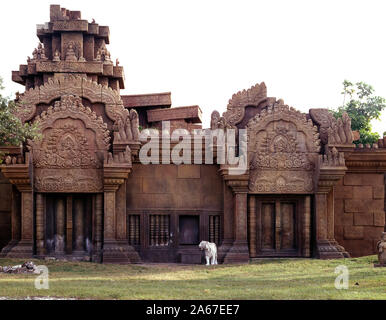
277	227
189	230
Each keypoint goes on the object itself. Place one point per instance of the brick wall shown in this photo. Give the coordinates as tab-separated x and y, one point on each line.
359	212
5	211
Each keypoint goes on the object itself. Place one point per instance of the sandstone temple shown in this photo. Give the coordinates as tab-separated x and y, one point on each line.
81	192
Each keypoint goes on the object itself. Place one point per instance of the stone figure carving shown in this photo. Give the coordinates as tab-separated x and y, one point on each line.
134	121
39	53
381	248
70	52
332	158
56	56
121	129
127	124
127	127
214	120
210	249
333	131
8	160
123	157
103	55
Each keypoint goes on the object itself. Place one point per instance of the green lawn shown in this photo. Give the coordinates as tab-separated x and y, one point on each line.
262	279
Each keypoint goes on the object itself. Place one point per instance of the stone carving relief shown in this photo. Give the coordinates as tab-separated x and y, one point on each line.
80	86
103	55
56	57
332	131
251	97
127	127
332	158
283	151
119	158
75	180
74	52
38	53
381	250
75	142
254	97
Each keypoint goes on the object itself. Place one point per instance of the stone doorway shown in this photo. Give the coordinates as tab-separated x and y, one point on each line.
69	227
279	226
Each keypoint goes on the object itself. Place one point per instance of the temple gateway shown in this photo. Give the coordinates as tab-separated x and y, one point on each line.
81	192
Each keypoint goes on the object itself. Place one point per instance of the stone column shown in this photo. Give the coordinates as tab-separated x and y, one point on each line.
69	225
78	225
24	247
252	226
307	227
326	245
16	215
40	247
121	218
227	221
115	249
109	209
98	227
60	227
321	215
239	252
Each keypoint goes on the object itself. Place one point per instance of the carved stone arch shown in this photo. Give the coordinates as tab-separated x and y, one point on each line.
77	85
254	96
283	149
71	153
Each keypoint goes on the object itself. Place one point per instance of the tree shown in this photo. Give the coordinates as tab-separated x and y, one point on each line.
12	131
362	107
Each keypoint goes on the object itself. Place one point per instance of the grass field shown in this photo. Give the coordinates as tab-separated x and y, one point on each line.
262	279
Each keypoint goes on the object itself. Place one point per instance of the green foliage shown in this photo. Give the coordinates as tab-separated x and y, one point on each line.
12	131
362	107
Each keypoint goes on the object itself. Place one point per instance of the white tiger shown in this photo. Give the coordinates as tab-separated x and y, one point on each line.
210	251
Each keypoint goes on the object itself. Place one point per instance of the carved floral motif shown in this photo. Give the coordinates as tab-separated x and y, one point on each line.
49	180
283	149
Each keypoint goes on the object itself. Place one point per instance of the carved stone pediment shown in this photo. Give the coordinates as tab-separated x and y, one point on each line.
256	97
283	149
74	144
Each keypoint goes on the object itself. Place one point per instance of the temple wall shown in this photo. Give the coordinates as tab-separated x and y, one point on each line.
359	212
5	211
174	187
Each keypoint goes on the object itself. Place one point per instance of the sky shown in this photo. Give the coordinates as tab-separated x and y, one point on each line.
205	51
